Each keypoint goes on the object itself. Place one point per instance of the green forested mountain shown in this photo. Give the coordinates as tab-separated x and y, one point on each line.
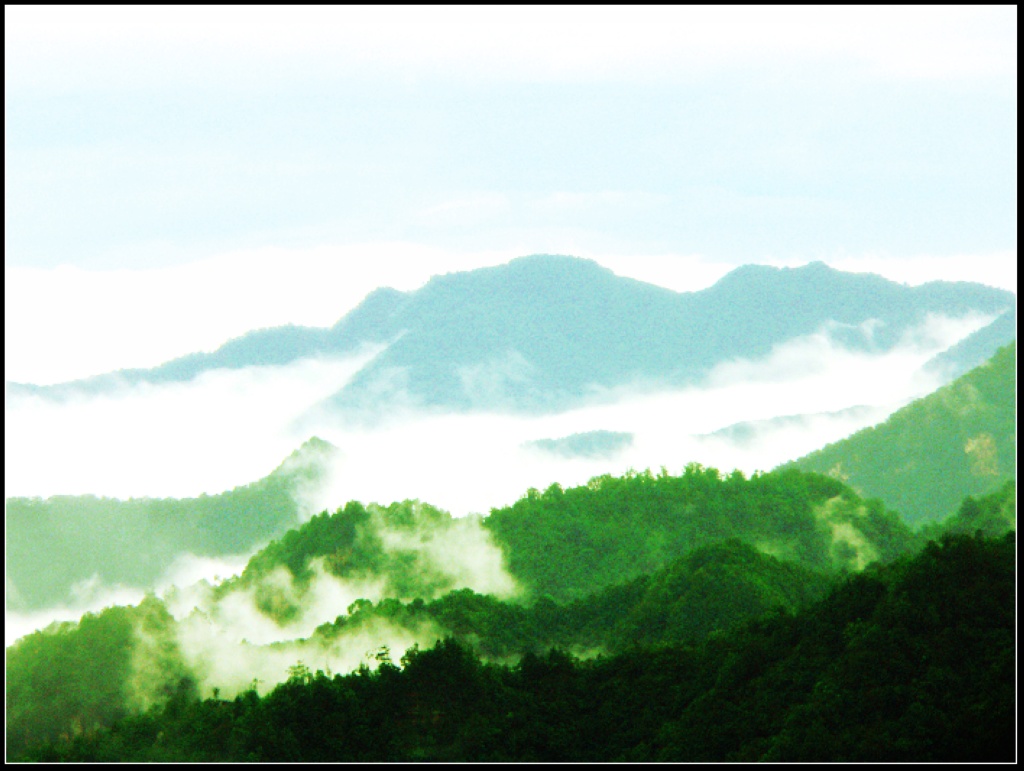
407	549
663	578
75	677
544	331
710	589
922	461
55	543
638	560
992	515
565	543
911	662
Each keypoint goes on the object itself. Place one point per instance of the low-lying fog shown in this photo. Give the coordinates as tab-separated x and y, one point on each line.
231	428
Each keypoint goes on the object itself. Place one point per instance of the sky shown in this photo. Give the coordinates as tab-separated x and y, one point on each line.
175	177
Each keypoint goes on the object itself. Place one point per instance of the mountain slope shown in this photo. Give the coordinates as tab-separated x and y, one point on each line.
543	332
56	543
911	662
566	544
922	461
976	348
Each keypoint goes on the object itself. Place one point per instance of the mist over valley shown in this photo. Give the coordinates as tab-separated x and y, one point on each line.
541	348
164	445
510	385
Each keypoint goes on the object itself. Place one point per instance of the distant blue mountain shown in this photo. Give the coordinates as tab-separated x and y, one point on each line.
543	332
975	349
589	444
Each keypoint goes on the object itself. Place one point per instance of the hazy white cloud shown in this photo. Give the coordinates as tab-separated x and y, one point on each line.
487	383
467	211
237	617
518	43
223	429
229	641
231	428
65	323
91	596
462	550
472	462
232	666
191	569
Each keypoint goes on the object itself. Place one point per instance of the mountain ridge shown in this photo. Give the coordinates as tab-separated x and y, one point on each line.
543	332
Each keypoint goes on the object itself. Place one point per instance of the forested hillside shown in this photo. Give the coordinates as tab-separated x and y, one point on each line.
710	589
634	562
959	441
565	543
908	662
58	542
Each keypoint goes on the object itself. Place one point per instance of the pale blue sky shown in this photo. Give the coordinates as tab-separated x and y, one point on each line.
140	140
806	155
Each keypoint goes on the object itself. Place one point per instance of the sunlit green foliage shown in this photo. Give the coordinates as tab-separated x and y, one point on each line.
74	677
959	441
566	543
56	543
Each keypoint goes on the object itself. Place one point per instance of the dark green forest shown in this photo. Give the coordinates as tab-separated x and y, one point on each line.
659	617
910	661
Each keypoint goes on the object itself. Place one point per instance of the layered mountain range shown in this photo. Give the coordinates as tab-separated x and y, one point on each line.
546	332
541	333
764	607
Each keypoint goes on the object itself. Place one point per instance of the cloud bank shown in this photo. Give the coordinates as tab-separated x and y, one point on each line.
230	428
227	429
516	43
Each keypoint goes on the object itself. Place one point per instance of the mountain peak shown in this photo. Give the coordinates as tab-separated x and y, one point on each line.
530	269
554	261
747	273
